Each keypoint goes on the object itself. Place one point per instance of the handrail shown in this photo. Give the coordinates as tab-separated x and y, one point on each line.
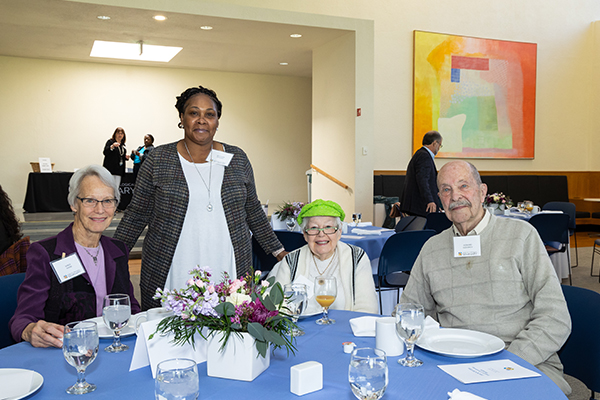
326	175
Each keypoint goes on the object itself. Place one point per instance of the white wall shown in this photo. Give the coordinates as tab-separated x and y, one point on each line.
67	110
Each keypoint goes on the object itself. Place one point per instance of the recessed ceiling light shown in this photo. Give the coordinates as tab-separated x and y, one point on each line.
295	35
283	63
159	17
103	17
206	27
133	51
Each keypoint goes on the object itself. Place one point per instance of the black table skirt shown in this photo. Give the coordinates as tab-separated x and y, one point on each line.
47	192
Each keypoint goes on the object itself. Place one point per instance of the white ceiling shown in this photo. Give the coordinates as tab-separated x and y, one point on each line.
66	30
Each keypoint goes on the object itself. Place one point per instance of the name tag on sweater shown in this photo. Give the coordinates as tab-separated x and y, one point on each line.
67	268
220	157
467	246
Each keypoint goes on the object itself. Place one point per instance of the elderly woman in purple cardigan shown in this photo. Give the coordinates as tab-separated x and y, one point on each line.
47	299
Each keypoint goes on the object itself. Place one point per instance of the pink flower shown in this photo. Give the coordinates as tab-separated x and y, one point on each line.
200	283
211	289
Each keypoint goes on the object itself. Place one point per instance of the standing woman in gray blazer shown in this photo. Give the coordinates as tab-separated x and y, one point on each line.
198	198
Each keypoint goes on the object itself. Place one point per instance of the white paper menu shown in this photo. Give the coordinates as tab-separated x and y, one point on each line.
488	371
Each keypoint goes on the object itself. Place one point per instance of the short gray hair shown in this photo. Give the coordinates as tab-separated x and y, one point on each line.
91	170
306	220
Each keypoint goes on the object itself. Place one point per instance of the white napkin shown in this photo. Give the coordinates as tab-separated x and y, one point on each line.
363	224
550	212
458	395
431	323
363	326
365	232
16	383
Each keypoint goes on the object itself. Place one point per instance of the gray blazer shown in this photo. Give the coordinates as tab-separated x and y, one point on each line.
160	200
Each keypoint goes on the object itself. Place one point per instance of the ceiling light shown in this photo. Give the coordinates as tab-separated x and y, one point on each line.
159	17
295	35
133	51
103	17
206	27
283	63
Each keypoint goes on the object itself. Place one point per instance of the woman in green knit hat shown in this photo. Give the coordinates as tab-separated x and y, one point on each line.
324	254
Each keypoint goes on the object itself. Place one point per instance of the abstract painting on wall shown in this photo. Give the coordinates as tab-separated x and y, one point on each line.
478	93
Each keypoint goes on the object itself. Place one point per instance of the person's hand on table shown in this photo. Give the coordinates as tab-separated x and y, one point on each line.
281	255
431	207
43	334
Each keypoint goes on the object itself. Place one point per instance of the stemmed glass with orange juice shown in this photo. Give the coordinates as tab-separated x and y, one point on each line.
325	293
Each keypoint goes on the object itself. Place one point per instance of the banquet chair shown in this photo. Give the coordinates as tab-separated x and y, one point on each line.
265	262
570	210
410	223
554	228
9	284
438	222
580	355
397	258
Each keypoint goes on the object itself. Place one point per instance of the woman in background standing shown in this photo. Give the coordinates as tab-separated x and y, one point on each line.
139	155
115	155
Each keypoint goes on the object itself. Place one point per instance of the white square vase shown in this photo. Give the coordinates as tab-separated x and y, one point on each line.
239	359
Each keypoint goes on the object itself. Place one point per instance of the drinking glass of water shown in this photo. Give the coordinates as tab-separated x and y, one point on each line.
296	296
176	379
80	347
410	321
116	314
368	373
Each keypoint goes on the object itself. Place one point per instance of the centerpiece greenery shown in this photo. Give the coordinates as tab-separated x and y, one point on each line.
230	306
498	198
289	210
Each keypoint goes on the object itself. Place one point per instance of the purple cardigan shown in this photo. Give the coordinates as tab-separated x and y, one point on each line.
40	284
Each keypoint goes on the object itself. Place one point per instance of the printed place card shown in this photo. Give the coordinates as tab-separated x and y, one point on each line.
488	371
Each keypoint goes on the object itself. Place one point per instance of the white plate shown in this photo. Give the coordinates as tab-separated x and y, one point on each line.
460	343
105	333
36	381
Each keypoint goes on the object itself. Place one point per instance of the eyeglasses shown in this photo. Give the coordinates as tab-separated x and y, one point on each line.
328	230
88	202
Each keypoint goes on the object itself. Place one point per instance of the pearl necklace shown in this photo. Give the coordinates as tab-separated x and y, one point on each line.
209	207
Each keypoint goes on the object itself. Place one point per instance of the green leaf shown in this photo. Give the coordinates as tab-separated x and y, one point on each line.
262	347
268	303
225	308
257	330
277	294
271	280
274	338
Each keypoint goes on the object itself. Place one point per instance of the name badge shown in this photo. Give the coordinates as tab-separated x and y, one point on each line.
220	157
67	268
467	246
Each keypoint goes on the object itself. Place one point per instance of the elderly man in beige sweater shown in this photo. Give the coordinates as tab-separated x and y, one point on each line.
491	275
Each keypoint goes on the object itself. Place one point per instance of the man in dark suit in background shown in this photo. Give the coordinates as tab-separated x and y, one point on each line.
420	186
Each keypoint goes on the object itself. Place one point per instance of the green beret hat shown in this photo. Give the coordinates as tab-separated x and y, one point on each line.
321	208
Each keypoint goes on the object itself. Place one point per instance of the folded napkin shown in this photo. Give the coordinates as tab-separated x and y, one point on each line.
550	212
363	224
15	383
365	232
431	323
363	326
458	395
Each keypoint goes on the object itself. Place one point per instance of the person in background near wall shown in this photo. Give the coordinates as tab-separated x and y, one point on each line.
44	304
420	188
139	155
197	197
115	155
10	231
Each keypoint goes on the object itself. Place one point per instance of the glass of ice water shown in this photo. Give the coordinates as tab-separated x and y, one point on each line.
116	314
296	296
176	379
368	373
410	321
80	347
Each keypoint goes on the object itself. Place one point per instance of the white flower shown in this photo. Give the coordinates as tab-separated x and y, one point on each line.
238	298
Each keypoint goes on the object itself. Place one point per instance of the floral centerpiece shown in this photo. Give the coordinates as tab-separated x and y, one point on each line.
289	210
231	306
498	198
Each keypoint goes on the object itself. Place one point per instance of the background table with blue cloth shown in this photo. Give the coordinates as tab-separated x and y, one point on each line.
110	372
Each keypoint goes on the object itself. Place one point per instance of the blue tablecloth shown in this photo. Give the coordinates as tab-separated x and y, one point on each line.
372	244
110	372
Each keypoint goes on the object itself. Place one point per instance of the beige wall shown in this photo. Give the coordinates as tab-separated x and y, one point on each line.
67	111
566	118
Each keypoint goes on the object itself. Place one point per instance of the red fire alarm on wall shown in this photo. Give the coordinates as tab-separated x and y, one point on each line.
358	112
